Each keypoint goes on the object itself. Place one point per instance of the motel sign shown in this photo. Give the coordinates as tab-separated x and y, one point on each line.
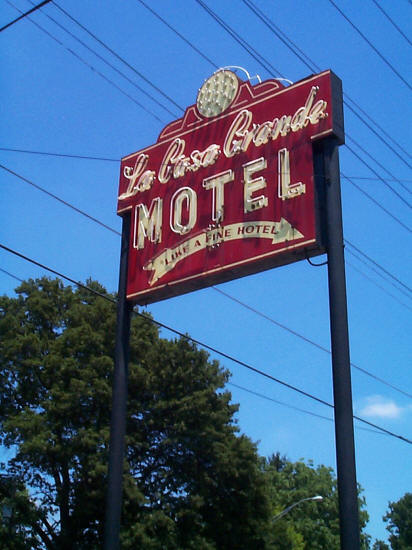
230	188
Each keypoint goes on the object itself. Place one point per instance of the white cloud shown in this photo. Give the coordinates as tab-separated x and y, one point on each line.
377	406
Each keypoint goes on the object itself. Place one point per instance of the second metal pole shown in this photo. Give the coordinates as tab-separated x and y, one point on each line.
345	446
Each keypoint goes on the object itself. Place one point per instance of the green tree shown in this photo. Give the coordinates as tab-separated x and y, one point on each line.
190	480
399	520
380	545
311	525
16	516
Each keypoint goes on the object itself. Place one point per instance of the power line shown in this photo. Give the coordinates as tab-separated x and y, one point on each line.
110	65
254	53
400	197
378	204
205	346
91	67
11	275
384	141
179	34
267	398
62	155
392	21
174	331
287	41
305	339
131	67
151	10
220	22
249	307
378	265
25	14
293	407
370	178
196	49
266	63
379	273
371	45
117	160
313	67
92	218
375	283
262	396
50	194
68	204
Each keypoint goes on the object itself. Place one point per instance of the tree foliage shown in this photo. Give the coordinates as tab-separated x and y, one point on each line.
380	545
312	524
190	480
399	520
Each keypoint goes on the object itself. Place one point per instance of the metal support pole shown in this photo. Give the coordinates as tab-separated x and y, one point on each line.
345	446
119	401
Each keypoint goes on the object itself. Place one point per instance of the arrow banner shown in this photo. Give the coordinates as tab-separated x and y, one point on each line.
167	260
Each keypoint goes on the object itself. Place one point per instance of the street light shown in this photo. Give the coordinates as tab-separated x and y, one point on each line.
316	498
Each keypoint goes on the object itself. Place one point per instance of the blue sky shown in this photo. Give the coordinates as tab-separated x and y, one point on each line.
59	97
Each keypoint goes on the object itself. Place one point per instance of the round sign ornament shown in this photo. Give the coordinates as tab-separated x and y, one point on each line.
217	93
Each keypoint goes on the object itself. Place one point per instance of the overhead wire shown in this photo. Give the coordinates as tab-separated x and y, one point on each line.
278	402
378	204
233	34
120	58
110	228
388	63
180	35
377	175
117	160
266	64
363	161
313	67
384	141
370	178
221	22
60	155
57	198
244	44
248	390
379	273
92	218
252	51
381	287
374	262
25	14
53	195
392	22
118	71
294	408
305	339
91	67
11	275
282	403
205	346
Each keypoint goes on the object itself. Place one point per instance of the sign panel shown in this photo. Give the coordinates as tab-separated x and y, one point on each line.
228	189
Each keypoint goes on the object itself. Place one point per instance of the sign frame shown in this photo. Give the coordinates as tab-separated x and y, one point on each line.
141	180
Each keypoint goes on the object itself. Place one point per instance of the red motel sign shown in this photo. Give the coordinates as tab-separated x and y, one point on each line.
229	189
